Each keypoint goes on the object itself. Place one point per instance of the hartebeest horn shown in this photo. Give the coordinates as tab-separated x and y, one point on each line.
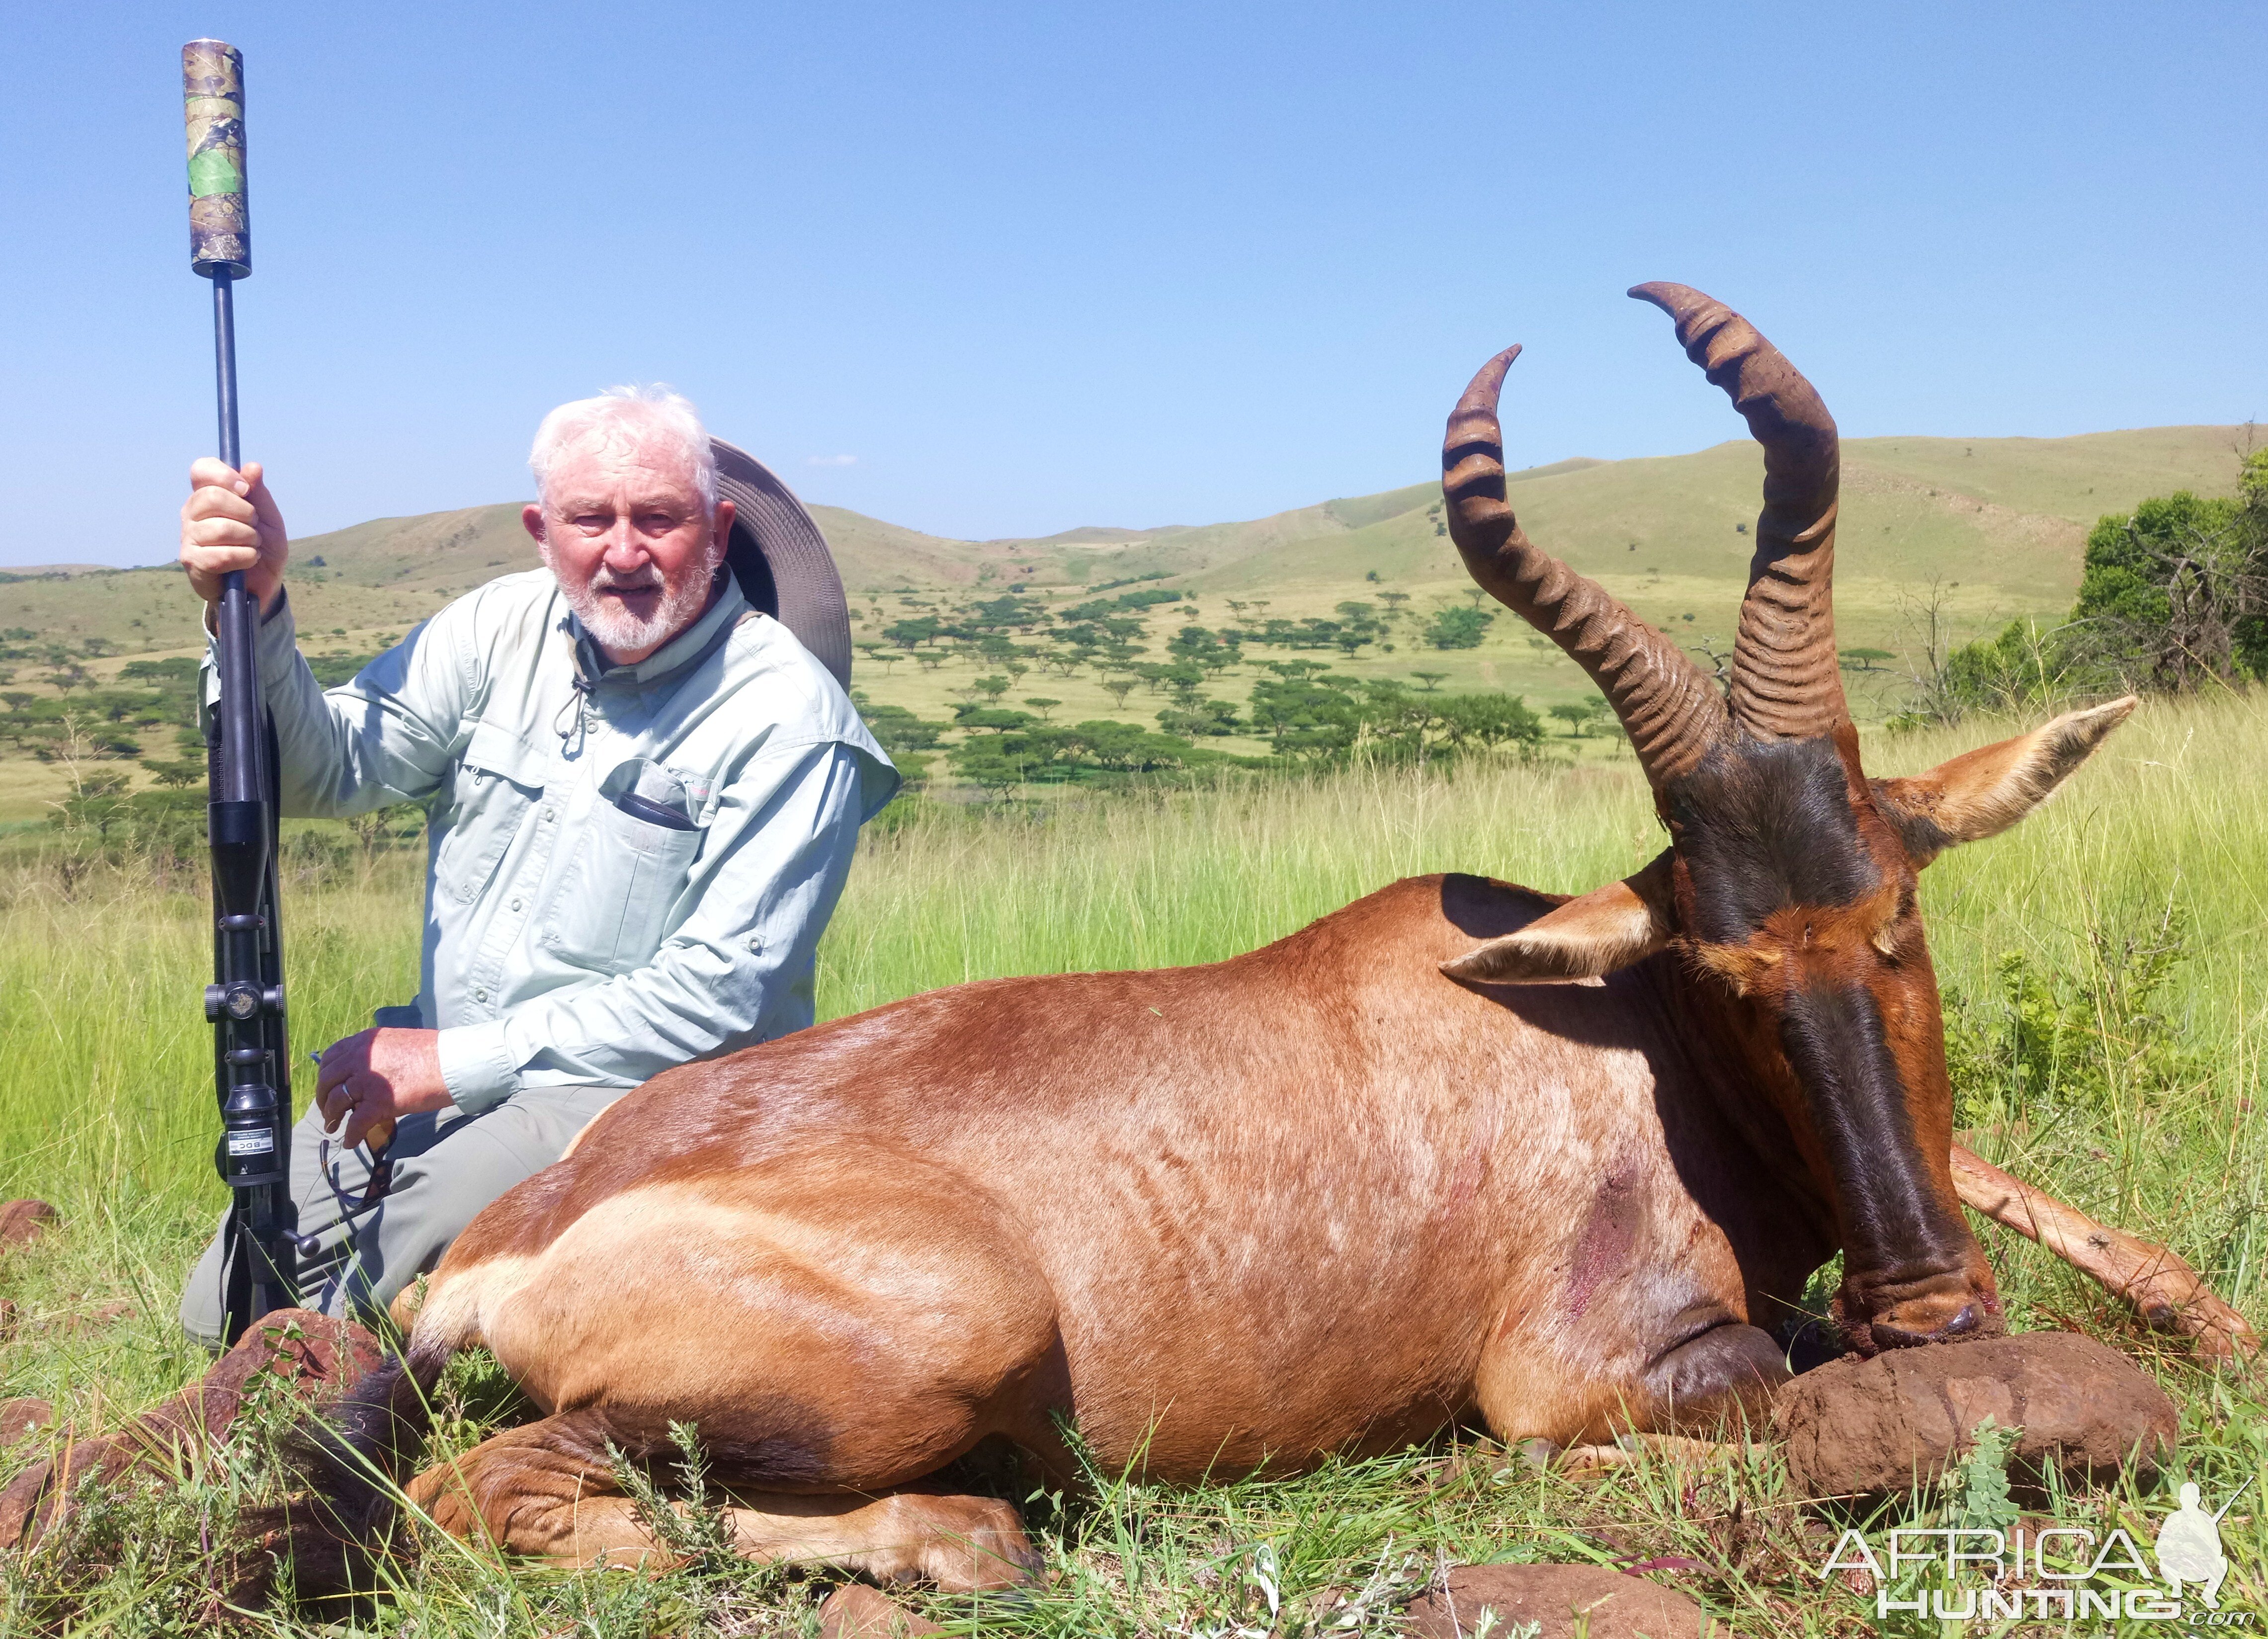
1669	706
1785	684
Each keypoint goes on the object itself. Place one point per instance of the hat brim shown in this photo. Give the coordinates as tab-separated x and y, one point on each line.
780	558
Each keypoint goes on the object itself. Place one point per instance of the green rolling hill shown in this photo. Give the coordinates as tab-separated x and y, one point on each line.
1991	528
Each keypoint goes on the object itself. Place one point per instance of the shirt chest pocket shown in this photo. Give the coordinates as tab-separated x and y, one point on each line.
613	898
498	779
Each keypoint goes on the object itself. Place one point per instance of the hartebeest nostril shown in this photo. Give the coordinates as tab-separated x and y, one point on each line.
1967	1323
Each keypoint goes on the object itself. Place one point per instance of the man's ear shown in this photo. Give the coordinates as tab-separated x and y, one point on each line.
1586	938
531	520
1982	792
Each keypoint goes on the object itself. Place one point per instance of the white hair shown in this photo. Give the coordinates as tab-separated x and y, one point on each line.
649	412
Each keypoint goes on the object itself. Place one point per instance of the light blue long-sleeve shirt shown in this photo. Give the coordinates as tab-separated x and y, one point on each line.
569	943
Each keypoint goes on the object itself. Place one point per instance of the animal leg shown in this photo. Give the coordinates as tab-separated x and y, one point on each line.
2166	1291
836	1320
548	1490
963	1544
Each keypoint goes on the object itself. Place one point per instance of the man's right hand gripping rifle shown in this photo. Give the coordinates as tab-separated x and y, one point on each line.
372	1078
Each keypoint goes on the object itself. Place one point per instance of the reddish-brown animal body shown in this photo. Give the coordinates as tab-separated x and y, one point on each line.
1317	1197
1459	1149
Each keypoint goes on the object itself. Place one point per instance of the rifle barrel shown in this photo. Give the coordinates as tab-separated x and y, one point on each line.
231	450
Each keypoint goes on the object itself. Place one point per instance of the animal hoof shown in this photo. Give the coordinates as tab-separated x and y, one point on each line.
1718	1378
855	1611
982	1549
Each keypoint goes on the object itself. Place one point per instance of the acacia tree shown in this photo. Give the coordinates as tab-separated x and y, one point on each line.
1720	660
1576	717
1458	629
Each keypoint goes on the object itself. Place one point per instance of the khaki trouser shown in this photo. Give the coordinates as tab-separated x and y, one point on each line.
447	1167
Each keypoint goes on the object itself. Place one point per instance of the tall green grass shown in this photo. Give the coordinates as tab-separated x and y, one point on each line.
2143	1113
106	1075
105	1081
1168	878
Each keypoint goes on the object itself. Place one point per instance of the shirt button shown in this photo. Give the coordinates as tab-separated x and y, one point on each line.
480	995
515	904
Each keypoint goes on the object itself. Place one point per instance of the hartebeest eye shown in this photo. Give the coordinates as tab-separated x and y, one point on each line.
1889	937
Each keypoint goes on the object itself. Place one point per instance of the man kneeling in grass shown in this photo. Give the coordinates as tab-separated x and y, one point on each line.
643	797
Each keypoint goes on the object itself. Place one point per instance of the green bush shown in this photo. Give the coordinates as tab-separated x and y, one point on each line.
1458	627
2171	595
2045	1041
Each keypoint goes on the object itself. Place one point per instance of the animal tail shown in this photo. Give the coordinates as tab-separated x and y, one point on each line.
345	1462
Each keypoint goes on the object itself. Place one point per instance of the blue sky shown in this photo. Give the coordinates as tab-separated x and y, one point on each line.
1005	269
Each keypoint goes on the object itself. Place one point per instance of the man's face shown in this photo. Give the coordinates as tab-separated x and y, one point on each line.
623	529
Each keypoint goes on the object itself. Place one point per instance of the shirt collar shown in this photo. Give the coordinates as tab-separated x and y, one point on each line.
682	652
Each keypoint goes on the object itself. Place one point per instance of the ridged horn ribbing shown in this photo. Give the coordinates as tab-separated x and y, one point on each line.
1669	706
1785	682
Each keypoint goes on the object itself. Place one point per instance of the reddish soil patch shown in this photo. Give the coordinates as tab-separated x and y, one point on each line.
1859	1426
855	1611
312	1354
20	1417
1607	1604
23	1222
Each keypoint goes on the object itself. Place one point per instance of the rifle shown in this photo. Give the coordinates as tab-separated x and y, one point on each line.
252	1062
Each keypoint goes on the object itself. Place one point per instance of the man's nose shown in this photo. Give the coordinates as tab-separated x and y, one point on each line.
626	550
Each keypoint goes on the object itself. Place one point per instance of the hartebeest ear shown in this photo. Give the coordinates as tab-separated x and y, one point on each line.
1982	792
1586	938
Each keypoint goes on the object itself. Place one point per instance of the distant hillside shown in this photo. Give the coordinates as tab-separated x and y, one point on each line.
1995	523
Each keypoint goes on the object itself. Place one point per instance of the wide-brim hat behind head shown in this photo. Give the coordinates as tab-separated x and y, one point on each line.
781	560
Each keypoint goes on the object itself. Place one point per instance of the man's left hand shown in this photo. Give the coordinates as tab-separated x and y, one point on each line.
380	1075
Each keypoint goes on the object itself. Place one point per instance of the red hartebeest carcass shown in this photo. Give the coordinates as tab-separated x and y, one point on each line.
1461	1150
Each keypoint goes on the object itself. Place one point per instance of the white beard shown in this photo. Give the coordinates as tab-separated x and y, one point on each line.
615	627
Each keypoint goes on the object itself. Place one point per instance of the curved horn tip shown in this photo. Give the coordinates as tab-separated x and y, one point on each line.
1487	381
1670	298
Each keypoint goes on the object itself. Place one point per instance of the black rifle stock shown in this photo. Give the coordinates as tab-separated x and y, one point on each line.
252	1060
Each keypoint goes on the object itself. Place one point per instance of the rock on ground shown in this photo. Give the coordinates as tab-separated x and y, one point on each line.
1609	1604
20	1417
312	1354
24	1220
855	1611
1858	1427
